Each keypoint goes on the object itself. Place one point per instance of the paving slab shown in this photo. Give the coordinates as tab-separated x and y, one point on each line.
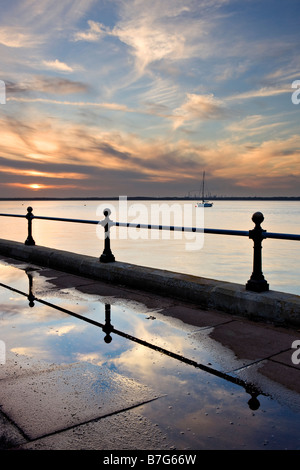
196	316
10	434
278	372
128	430
51	400
252	341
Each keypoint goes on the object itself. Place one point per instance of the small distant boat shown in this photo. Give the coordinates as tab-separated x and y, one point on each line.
204	203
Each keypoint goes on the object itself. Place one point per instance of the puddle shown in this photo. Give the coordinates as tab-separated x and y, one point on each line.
201	406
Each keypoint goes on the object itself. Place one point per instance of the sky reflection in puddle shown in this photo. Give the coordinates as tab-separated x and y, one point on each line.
200	410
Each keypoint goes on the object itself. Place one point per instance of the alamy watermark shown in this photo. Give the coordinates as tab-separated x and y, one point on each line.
2	92
176	219
296	354
295	94
2	352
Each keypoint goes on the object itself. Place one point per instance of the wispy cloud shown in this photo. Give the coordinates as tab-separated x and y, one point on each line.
16	37
57	65
253	125
46	84
82	104
275	162
95	32
43	174
30	23
154	31
201	108
260	93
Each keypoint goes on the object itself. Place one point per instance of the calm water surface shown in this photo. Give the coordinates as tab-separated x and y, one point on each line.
219	257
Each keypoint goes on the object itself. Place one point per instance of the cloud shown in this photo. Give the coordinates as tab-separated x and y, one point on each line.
150	44
38	20
55	144
94	161
261	93
274	162
57	65
233	71
199	108
43	174
44	84
16	37
154	31
253	125
95	32
79	104
37	187
287	74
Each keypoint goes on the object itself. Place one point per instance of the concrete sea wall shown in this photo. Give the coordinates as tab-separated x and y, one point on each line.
272	306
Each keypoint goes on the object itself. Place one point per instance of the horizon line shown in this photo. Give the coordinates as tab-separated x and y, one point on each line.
183	198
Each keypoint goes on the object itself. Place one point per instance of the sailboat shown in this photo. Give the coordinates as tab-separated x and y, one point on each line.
204	203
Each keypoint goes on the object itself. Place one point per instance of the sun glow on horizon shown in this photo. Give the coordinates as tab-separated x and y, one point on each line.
38	186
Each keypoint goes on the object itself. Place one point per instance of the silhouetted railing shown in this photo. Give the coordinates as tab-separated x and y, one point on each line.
256	283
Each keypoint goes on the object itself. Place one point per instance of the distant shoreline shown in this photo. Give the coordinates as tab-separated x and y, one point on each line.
148	198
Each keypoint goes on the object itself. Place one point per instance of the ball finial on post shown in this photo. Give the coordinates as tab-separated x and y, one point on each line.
257	282
29	216
107	256
258	218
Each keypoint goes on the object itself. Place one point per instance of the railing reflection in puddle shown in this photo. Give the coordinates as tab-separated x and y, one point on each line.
108	329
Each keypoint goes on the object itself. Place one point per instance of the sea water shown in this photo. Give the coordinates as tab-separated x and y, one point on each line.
221	257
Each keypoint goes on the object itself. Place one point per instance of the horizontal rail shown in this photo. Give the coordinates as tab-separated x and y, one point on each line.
173	228
242	233
282	236
59	219
13	215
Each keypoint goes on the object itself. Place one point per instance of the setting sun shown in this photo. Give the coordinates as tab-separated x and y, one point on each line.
36	186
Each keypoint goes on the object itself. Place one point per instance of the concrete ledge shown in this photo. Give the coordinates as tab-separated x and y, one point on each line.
276	307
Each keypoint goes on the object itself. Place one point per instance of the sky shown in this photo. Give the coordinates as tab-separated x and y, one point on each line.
105	98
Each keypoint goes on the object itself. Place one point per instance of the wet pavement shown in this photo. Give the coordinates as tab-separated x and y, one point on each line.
95	366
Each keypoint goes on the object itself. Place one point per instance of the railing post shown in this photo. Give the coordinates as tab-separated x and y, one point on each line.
107	256
29	217
30	294
257	282
107	328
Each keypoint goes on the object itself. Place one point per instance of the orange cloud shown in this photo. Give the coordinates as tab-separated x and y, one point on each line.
38	186
43	174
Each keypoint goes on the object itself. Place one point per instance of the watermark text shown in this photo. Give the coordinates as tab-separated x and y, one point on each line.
2	92
296	354
295	94
2	352
157	221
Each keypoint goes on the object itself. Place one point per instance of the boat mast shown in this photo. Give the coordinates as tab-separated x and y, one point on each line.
203	186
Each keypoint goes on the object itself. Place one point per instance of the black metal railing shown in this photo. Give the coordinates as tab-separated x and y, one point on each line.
256	283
